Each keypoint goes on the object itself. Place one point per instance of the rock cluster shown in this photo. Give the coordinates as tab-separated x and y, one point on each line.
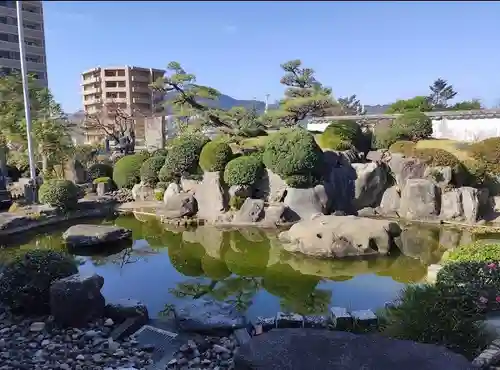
40	344
210	353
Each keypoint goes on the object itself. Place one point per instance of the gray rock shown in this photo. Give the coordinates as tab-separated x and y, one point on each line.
340	236
141	192
172	190
189	185
89	235
451	206
103	188
206	316
390	203
123	309
470	203
252	210
370	184
405	169
306	349
271	187
179	205
242	191
420	200
274	214
212	197
77	299
441	175
302	203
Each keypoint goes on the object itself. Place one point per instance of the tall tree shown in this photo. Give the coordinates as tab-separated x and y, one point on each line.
441	94
304	96
187	98
351	106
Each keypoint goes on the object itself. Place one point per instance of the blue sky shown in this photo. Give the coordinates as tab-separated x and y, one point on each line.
380	51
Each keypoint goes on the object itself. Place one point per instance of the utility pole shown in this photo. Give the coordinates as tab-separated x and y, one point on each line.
24	75
267	102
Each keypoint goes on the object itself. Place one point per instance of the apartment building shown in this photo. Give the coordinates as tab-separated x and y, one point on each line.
34	38
126	88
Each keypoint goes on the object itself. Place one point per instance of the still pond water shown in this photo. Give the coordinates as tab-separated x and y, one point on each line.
247	267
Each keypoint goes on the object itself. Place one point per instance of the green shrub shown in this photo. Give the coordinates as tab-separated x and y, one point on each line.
478	251
481	280
150	170
441	315
245	170
442	158
413	126
162	185
404	147
215	155
487	153
99	170
235	202
183	158
127	170
101	180
301	181
159	195
62	194
341	135
292	152
26	281
160	153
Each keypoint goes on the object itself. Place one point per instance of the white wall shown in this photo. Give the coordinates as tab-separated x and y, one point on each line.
466	129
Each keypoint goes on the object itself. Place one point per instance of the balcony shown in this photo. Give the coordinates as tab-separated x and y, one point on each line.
115	100
115	89
115	78
95	90
91	80
141	90
142	79
141	100
93	101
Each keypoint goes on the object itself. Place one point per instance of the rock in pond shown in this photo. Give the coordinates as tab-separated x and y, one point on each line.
210	317
340	236
307	349
88	235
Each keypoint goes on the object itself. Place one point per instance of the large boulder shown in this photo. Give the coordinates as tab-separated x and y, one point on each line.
390	203
90	235
470	203
307	349
303	203
370	184
340	236
212	197
461	204
270	187
210	317
143	192
420	200
77	299
179	205
252	210
124	309
441	175
405	169
172	189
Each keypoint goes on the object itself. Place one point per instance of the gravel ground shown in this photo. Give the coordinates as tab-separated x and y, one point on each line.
37	344
213	353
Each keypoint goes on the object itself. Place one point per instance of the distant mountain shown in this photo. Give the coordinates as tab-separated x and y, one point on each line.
376	109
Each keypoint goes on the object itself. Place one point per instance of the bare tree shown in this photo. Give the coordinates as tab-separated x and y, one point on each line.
116	123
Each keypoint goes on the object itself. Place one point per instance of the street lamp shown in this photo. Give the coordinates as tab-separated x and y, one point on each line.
24	75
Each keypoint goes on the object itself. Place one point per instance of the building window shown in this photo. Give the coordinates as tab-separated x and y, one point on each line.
31	42
109	73
121	83
32	26
38	75
32	9
121	72
34	58
8	4
111	95
110	84
122	95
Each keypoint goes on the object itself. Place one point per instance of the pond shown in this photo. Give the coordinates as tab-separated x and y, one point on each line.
247	267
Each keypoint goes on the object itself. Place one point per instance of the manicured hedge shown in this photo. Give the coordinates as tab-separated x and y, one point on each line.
127	170
62	194
150	170
245	170
215	155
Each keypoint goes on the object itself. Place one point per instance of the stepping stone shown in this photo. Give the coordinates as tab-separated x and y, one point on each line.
365	319
289	320
341	319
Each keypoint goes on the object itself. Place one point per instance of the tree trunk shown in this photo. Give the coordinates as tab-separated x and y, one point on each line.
45	164
3	160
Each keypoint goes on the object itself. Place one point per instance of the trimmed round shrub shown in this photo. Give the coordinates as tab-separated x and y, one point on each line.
404	147
215	155
183	157
487	153
26	280
160	153
301	181
340	135
413	126
62	194
245	170
292	152
127	170
436	157
100	170
150	170
441	315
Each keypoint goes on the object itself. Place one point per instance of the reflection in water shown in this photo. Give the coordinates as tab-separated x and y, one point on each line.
247	268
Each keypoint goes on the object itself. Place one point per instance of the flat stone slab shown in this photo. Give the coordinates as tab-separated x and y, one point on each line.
205	316
307	349
91	235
